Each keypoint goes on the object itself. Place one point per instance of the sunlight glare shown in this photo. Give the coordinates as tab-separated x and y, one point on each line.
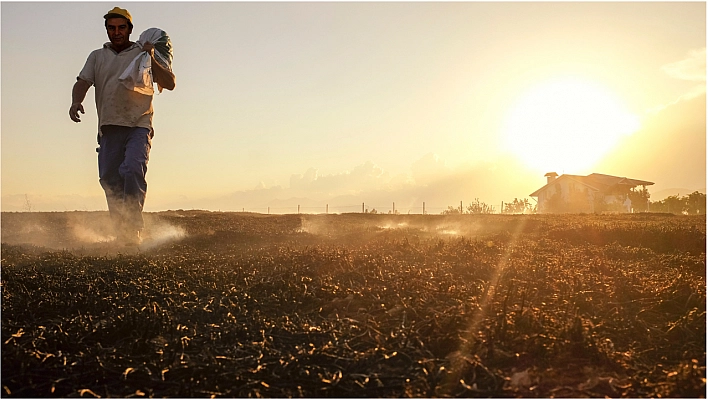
566	125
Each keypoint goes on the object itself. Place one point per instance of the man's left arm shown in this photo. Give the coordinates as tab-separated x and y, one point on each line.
163	76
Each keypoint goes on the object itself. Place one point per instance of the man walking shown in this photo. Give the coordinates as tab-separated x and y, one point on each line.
124	122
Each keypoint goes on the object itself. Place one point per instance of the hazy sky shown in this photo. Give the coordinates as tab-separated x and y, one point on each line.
287	103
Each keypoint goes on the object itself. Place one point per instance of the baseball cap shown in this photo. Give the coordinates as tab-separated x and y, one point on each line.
117	12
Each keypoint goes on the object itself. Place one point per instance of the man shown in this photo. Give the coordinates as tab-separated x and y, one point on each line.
124	122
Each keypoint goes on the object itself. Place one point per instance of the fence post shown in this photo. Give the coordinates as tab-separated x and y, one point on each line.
362	207
326	209
461	208
393	211
423	207
298	209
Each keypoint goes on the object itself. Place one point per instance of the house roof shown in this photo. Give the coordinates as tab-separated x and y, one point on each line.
597	182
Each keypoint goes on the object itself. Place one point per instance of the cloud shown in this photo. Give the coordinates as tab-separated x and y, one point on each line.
429	168
365	176
692	69
430	180
302	181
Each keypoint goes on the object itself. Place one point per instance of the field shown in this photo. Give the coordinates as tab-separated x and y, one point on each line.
355	305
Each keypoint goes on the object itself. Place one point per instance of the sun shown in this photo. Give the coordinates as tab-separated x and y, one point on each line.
566	125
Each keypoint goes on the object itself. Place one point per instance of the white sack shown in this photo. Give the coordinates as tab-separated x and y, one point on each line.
138	75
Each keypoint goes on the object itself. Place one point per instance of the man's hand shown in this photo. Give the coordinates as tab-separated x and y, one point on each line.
149	47
78	93
74	112
162	76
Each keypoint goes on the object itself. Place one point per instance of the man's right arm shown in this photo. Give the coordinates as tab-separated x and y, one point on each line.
78	93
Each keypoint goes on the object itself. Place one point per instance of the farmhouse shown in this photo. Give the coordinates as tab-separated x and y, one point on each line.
594	193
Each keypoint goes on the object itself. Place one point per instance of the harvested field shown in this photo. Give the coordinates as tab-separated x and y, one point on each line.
354	305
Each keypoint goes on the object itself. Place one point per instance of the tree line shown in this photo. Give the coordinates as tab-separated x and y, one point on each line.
691	204
478	207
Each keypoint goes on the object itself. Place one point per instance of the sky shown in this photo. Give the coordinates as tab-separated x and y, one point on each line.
331	105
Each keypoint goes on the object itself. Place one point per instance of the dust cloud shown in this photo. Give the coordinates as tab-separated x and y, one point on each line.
86	234
424	225
161	234
82	232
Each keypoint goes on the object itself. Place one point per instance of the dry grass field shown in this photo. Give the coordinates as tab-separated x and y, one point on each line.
354	305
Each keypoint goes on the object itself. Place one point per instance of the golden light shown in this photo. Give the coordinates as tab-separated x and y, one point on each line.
566	125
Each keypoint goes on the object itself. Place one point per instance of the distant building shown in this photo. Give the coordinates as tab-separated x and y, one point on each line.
594	193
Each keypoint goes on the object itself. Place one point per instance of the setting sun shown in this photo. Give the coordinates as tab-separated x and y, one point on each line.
566	125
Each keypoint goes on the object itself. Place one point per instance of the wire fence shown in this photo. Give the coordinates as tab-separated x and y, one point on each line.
364	207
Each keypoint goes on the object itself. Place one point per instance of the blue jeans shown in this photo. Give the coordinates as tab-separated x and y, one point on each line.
122	165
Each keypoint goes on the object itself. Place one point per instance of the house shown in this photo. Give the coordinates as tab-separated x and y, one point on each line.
594	193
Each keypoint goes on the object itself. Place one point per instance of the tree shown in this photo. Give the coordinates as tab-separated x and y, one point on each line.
477	208
451	210
474	208
640	199
696	203
670	204
675	204
615	206
28	204
556	204
578	201
518	206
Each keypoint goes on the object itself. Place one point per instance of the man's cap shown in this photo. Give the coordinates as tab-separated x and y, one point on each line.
117	12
